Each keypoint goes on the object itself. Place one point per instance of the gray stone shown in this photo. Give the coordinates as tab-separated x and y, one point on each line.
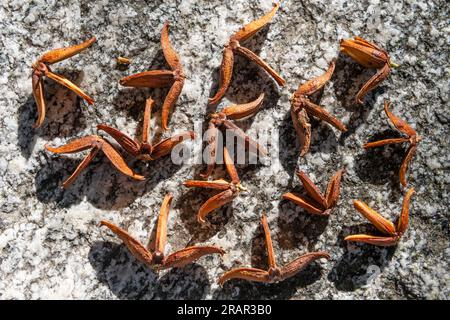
51	245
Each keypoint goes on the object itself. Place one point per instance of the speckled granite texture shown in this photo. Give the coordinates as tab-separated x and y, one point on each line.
50	242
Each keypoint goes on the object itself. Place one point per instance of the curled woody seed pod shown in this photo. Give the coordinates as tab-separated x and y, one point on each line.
161	227
229	190
412	138
162	78
220	121
137	249
391	233
41	69
219	184
370	56
241	111
145	150
215	202
274	273
234	47
57	55
123	60
187	255
317	203
95	143
375	218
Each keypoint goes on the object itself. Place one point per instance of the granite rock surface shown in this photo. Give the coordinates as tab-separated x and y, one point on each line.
51	245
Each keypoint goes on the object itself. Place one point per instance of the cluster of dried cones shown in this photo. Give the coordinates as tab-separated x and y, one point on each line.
317	203
142	150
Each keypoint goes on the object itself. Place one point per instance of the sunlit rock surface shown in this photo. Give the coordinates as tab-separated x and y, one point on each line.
51	245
